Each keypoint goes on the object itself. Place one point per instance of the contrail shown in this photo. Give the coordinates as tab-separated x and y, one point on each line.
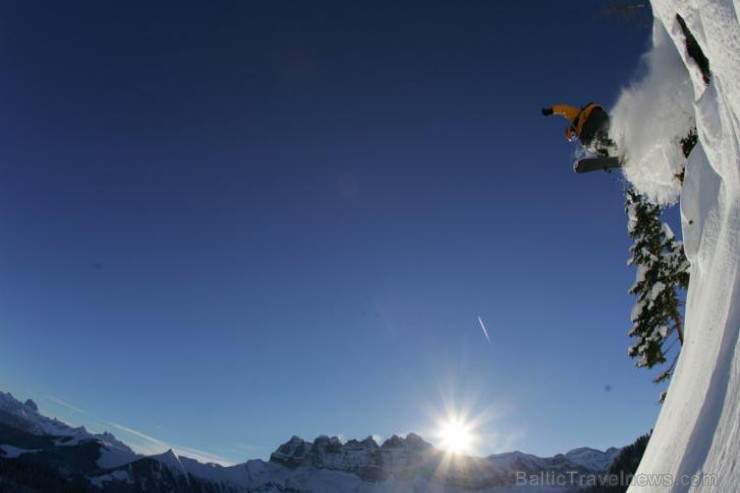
482	326
65	404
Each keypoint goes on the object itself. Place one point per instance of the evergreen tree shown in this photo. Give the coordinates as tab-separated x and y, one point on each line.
623	468
687	145
662	271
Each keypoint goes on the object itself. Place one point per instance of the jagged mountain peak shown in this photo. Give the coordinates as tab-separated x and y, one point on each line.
170	459
296	451
368	442
411	440
30	404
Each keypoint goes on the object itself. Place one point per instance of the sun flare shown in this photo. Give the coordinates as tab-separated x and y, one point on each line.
456	436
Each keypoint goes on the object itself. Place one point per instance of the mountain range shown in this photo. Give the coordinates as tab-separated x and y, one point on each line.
38	454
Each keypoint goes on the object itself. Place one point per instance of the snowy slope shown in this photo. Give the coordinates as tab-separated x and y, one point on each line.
697	436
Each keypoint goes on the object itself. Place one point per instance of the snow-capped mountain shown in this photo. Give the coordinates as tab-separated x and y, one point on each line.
400	457
593	459
90	462
26	417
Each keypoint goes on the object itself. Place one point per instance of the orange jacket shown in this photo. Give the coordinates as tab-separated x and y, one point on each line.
577	117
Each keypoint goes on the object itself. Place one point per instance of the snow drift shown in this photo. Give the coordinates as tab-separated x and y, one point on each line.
697	437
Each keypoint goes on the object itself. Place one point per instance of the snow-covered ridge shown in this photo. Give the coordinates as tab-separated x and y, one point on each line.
593	459
38	424
26	416
697	438
587	458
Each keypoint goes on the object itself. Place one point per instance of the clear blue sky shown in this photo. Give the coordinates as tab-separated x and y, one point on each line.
222	225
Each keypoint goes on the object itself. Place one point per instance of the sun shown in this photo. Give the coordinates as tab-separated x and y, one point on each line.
456	436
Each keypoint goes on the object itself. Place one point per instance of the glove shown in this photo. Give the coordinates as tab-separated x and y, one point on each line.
546	111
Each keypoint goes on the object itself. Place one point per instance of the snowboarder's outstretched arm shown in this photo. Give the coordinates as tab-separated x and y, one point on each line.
569	112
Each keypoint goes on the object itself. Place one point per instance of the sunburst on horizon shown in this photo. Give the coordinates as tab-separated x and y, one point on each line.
456	435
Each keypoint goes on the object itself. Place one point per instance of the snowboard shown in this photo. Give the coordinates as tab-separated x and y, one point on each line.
588	164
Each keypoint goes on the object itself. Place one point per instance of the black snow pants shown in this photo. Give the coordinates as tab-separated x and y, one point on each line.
595	130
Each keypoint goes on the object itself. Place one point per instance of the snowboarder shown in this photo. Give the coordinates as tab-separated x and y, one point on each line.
589	124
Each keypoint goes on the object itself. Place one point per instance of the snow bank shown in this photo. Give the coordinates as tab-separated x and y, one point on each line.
100	481
10	452
650	119
697	437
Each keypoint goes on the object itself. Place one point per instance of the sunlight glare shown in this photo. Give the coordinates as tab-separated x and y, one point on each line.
456	436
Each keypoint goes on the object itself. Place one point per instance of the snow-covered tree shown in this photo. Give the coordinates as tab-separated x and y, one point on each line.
662	273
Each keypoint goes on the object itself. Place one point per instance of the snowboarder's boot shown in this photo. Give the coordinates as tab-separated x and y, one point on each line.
603	146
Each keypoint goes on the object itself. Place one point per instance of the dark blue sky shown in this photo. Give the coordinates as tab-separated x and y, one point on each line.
221	225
